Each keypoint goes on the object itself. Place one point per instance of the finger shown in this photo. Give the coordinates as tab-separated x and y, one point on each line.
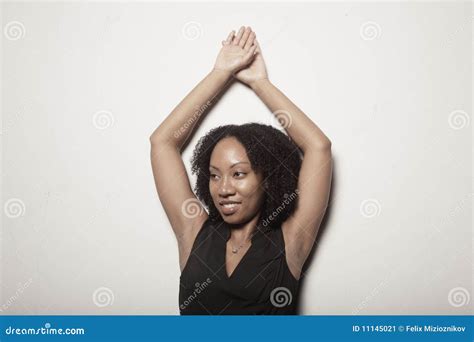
251	53
245	36
239	35
258	46
250	41
229	38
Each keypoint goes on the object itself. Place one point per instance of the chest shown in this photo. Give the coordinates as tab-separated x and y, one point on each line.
220	280
257	262
234	256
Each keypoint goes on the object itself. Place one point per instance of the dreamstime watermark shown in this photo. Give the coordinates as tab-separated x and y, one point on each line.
280	297
14	208
192	30
103	119
8	124
197	113
375	291
191	208
453	212
288	199
459	296
282	117
458	119
370	30
199	288
46	330
103	296
16	295
451	259
452	36
370	208
14	30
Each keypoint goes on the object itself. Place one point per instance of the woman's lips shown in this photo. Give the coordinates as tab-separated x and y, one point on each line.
229	208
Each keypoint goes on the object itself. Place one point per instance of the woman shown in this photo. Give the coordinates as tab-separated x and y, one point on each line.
265	193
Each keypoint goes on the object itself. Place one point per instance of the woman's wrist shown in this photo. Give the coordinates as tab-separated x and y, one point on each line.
222	72
257	84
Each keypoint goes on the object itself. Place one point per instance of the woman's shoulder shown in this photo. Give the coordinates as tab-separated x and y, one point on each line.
205	227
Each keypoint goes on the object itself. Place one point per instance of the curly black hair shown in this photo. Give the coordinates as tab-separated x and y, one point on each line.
271	152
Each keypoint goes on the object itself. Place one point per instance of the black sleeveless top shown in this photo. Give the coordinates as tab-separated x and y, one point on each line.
261	284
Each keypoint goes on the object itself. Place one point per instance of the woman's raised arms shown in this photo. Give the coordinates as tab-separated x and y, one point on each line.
182	208
314	180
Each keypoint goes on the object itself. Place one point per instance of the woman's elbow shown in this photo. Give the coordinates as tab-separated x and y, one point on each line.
158	136
322	145
326	145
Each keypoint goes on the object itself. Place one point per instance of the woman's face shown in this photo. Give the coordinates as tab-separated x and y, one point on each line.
235	188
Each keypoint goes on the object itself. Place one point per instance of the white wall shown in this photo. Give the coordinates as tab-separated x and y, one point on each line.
395	100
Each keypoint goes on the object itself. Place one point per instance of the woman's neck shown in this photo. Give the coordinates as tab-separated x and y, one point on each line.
244	232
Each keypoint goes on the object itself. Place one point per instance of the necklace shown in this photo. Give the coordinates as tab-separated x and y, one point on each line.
235	250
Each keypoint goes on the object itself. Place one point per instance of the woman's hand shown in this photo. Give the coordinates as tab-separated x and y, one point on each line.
255	71
237	51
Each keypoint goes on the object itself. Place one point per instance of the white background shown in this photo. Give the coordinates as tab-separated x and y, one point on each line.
83	231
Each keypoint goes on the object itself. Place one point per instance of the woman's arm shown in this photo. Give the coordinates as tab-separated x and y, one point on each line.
171	179
302	130
182	208
181	122
314	180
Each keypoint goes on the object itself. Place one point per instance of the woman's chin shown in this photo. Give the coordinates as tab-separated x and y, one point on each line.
231	219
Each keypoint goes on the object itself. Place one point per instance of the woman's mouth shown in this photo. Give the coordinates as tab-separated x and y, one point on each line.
229	208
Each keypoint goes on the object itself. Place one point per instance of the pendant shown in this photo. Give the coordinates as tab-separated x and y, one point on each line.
234	250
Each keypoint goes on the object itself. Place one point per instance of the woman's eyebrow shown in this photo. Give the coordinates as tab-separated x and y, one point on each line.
241	162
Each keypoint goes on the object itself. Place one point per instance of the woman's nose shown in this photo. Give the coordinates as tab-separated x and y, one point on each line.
226	187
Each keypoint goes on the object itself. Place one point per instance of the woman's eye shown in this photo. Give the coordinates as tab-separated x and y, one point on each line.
213	176
238	174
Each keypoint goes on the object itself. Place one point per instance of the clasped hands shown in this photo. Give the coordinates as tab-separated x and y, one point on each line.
241	57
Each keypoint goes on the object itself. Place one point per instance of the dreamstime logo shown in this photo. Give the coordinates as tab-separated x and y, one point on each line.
370	30
287	200
280	297
283	118
14	208
370	208
199	288
197	113
8	123
191	208
453	212
103	296
103	119
192	30
375	291
14	30
46	330
453	35
459	296
19	291
458	119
